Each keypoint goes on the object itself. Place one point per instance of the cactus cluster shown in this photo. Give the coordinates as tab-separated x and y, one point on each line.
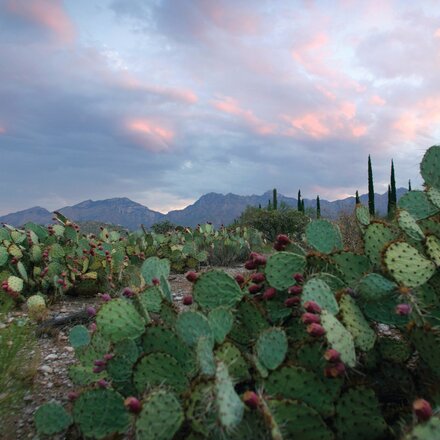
287	351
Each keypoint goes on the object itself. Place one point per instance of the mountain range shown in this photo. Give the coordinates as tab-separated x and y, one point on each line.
212	207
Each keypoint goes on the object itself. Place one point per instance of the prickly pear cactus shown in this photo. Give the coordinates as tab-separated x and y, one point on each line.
51	418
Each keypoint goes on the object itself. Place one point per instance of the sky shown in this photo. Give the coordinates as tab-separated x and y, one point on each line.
163	101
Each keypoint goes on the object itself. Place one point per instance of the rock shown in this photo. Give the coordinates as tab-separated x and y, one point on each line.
51	357
46	369
69	349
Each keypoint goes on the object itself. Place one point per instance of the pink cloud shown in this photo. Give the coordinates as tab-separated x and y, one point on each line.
377	100
437	33
149	134
2	130
48	14
310	124
231	106
330	193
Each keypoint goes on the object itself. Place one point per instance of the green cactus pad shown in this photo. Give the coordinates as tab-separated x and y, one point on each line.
407	265
118	319
168	314
373	287
215	289
296	420
230	408
15	283
376	237
160	418
98	346
120	366
271	347
79	336
429	430
430	166
424	341
100	412
409	225
200	408
324	236
297	383
317	290
434	196
230	355
151	299
17	236
280	268
363	215
354	321
38	230
249	322
358	416
155	267
36	307
4	256
433	249
392	349
83	375
159	369
335	283
15	251
205	356
191	326
417	204
352	265
221	321
51	418
384	311
339	338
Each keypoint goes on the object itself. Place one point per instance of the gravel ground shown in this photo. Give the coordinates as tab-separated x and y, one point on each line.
51	382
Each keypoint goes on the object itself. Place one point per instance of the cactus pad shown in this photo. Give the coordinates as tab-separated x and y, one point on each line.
230	355
281	266
79	336
216	288
15	283
160	418
191	326
324	236
407	265
339	338
429	430
358	416
354	321
36	307
3	256
100	413
51	418
271	347
352	265
297	383
221	321
151	299
118	319
433	249
373	287
155	267
205	356
430	166
409	225
363	215
318	291
424	341
417	204
334	282
395	350
434	196
159	369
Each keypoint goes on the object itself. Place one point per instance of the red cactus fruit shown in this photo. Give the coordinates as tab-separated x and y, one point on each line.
105	297
312	307
91	311
310	318
92	327
258	277
422	409
332	355
239	278
133	404
72	396
292	301
261	260
251	399
191	276
255	288
298	277
316	330
403	309
102	383
283	239
335	370
250	265
128	293
99	363
279	247
295	290
155	281
187	300
108	356
269	293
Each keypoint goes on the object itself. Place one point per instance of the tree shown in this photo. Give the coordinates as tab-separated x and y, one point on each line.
318	207
259	206
393	191
358	200
299	201
269	205
371	207
275	199
302	206
389	201
409	185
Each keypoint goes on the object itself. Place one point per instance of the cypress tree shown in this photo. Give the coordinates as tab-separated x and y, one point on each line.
370	188
389	201
409	185
269	205
299	201
259	206
318	207
275	200
393	191
358	200
302	206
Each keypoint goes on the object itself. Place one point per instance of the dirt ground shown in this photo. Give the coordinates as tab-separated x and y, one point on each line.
55	356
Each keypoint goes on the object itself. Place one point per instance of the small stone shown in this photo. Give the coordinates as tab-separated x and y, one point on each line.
51	357
46	369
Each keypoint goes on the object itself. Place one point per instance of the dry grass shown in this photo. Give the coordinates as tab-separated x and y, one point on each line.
351	232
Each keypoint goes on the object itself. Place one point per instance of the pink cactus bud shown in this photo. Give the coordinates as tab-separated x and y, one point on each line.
310	318
253	256
316	330
250	265
72	395
251	399
312	307
99	363
283	239
239	278
279	247
403	309
102	383
128	293
258	278
255	288
299	278
335	370
292	301
295	290
105	297
155	281
422	409
91	311
98	369
92	327
191	276
187	300
261	260
133	405
332	355
269	293
108	356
